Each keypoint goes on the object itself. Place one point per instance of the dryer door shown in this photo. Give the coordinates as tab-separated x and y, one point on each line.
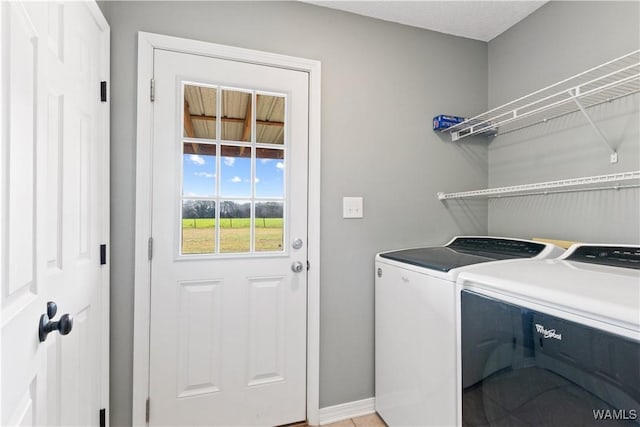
523	367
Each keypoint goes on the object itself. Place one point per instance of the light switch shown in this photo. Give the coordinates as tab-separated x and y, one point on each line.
352	207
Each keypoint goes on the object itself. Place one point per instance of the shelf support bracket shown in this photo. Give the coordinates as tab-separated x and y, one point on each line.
574	95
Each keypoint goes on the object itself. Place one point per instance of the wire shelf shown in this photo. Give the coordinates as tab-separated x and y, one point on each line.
607	82
567	185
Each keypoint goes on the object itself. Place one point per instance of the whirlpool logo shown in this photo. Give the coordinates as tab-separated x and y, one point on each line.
548	333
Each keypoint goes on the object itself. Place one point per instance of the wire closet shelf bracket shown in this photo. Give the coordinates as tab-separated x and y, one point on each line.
605	83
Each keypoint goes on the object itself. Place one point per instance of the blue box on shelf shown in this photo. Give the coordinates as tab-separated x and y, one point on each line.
443	121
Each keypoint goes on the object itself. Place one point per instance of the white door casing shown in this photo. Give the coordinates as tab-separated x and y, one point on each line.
54	211
193	282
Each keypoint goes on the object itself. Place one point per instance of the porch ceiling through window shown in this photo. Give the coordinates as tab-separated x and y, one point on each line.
200	115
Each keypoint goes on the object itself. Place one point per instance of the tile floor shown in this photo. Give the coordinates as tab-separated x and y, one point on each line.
371	420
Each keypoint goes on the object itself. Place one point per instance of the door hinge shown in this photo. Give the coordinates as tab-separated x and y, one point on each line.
103	417
308	265
103	254
147	410
153	90
150	247
103	91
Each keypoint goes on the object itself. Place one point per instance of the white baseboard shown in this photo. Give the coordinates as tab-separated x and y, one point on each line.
344	411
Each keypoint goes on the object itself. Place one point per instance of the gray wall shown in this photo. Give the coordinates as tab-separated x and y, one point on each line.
557	41
381	85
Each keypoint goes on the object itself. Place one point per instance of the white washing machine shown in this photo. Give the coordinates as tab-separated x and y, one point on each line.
551	342
415	324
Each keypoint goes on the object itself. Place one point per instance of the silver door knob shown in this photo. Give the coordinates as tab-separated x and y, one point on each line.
297	267
297	243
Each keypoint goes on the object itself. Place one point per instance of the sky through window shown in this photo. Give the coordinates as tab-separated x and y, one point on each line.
200	176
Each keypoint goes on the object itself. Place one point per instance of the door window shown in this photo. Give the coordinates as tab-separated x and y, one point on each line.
233	197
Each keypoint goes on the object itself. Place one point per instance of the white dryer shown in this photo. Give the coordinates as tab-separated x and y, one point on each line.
415	324
551	342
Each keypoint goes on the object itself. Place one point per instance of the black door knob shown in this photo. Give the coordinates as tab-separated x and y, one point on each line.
46	325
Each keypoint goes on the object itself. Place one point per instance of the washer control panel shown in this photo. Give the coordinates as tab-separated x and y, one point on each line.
615	256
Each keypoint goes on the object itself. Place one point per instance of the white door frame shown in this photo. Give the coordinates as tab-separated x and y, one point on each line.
147	42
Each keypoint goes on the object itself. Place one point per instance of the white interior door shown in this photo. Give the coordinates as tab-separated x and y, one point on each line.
229	227
54	212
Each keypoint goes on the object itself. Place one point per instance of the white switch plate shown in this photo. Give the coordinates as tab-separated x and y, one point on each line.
352	207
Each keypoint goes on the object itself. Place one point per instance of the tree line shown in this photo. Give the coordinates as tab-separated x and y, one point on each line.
192	209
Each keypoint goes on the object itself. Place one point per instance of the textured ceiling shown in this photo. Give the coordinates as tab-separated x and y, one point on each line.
479	20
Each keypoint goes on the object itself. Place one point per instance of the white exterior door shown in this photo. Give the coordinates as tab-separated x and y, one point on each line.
229	226
54	212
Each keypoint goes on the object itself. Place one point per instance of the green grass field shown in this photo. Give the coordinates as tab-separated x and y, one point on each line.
198	235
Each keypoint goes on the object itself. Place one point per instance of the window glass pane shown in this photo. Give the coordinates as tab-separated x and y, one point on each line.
198	170
235	226
236	115
270	119
242	182
269	172
199	112
198	227
269	227
235	171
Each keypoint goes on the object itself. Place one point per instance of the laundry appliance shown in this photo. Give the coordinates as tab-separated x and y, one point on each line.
415	324
552	342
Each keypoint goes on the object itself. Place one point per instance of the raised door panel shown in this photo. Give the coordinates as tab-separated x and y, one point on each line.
266	331
21	293
199	341
22	64
55	148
